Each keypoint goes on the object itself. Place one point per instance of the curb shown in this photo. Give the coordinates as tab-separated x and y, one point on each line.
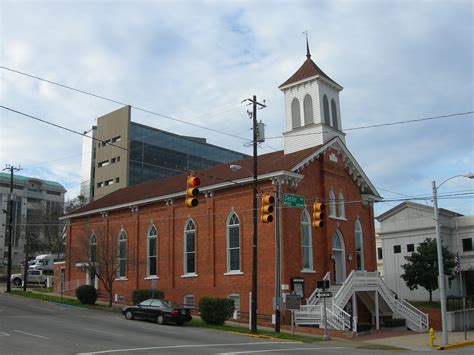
456	345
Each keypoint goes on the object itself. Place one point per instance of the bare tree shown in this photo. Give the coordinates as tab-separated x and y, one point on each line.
103	253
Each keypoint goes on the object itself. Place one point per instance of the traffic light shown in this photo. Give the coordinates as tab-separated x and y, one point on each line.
192	191
318	214
267	208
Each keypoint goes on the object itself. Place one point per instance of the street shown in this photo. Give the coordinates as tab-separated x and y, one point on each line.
29	326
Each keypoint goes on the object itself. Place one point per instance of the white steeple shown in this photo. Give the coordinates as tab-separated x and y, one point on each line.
312	107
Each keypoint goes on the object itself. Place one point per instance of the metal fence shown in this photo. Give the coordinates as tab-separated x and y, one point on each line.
456	304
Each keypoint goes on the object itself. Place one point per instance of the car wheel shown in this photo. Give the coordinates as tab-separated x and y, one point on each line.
160	320
129	315
17	281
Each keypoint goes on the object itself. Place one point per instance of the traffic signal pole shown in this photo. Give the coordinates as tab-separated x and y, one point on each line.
10	227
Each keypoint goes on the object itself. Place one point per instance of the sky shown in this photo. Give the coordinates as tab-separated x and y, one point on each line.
195	61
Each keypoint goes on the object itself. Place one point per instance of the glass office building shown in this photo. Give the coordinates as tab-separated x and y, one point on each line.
156	154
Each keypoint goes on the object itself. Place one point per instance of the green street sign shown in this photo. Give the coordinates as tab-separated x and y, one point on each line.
291	200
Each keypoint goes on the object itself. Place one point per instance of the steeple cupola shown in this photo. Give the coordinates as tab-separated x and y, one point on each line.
312	107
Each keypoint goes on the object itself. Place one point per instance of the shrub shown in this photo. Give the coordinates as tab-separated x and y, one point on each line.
215	310
86	294
363	327
143	294
395	322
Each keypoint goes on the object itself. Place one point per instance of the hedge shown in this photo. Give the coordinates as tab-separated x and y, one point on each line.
395	322
215	310
86	294
363	327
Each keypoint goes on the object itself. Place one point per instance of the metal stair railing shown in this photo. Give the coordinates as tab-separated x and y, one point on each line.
312	299
345	292
416	320
309	312
343	316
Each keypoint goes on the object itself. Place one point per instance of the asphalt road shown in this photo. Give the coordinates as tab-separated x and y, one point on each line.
35	327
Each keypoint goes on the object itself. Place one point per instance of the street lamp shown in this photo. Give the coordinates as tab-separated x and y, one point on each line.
439	244
253	301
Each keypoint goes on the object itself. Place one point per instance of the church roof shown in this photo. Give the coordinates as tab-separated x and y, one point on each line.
307	70
220	176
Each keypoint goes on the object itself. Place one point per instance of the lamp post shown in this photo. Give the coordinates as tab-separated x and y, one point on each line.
439	245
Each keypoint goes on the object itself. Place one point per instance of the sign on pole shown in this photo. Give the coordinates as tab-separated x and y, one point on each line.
291	200
293	302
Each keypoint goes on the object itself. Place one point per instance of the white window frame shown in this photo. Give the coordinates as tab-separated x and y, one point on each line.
122	238
187	304
151	238
305	223
232	217
358	236
340	206
332	205
93	243
187	232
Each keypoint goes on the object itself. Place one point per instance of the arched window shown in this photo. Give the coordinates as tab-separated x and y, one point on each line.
359	245
332	204
295	113
340	204
306	241
152	252
334	114
93	248
233	243
122	254
308	109
327	118
190	247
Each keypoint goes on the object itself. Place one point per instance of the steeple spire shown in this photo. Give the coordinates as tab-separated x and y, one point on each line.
308	54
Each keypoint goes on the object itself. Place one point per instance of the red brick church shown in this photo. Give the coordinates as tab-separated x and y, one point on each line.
207	250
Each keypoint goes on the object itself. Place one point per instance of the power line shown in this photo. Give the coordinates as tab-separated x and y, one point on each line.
122	103
384	124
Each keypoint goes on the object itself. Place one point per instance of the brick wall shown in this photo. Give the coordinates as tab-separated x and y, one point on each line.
320	177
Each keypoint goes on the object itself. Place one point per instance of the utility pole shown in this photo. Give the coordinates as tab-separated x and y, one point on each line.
10	225
277	259
253	301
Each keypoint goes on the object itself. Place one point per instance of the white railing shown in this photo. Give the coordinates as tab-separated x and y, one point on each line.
360	281
312	300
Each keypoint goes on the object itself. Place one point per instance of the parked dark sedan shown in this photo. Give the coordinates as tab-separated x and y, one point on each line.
160	311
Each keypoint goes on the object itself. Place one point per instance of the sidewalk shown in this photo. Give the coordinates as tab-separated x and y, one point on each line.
418	341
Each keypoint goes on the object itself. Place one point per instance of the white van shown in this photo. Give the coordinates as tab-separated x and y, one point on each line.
43	262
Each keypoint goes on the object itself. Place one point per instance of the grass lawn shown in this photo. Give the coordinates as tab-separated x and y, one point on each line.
380	347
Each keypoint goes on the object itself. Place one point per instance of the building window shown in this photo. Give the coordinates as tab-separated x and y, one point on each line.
397	249
410	248
117	180
295	113
122	254
188	301
308	109
116	139
467	244
327	119
236	299
103	163
340	203
109	182
379	253
332	204
233	243
359	245
93	248
152	252
334	114
190	248
306	241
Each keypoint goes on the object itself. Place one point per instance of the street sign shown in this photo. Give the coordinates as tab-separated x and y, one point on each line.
291	200
293	302
324	294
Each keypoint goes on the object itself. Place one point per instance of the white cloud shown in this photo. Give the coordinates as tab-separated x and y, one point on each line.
396	61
